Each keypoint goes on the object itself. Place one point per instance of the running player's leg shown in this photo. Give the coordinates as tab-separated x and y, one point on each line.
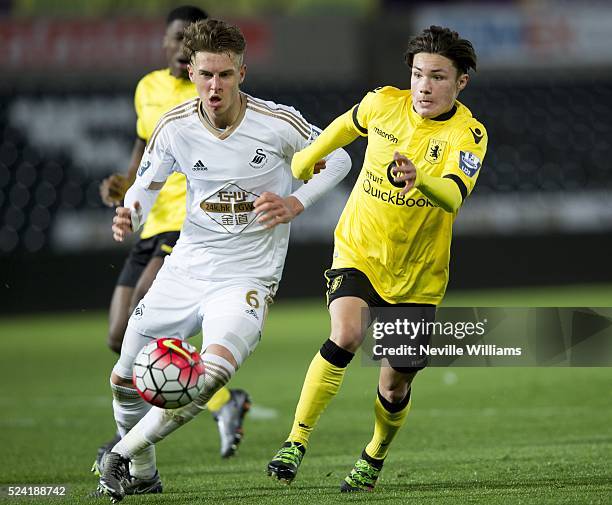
144	282
124	293
391	407
232	329
392	403
137	280
170	308
326	370
347	308
232	324
121	307
227	407
118	316
161	245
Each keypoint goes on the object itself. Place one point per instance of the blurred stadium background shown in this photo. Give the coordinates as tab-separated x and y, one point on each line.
540	218
541	213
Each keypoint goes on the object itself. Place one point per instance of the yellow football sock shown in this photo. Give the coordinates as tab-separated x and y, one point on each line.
386	425
320	385
219	399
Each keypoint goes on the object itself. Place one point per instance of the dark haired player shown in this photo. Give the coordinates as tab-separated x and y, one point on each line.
392	243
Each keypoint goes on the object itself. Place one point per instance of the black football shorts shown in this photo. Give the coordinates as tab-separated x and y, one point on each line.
158	245
352	282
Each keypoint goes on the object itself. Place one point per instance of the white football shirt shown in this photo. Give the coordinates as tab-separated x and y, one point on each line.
226	171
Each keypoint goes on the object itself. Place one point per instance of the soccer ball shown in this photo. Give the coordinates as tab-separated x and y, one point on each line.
168	373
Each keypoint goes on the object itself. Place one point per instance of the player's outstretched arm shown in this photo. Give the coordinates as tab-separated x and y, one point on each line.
337	166
443	192
114	187
338	134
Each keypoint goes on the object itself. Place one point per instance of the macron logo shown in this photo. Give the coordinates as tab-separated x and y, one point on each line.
199	166
389	136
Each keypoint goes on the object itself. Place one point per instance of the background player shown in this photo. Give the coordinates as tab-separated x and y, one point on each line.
392	243
234	150
156	93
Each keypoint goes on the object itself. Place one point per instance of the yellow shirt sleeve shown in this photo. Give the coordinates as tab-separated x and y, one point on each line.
466	157
342	131
361	113
442	191
338	134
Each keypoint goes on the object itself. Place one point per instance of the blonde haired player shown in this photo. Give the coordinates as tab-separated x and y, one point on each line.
156	93
235	151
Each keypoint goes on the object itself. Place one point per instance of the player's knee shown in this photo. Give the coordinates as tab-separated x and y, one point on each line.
236	334
223	352
347	335
395	394
394	384
117	380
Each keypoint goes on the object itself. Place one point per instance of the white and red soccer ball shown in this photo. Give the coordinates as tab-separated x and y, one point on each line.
168	373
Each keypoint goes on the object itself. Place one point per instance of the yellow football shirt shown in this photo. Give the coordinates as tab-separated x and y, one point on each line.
402	242
156	93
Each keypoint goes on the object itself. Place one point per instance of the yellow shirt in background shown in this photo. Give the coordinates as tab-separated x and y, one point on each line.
156	93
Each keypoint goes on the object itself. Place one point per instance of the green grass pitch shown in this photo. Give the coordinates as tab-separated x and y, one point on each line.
475	435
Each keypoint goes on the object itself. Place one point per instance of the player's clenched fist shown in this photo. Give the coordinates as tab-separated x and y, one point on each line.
273	209
126	221
404	170
302	168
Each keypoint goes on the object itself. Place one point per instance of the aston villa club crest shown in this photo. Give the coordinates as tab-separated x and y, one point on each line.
435	151
335	284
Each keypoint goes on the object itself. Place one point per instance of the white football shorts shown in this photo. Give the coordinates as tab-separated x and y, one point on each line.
230	313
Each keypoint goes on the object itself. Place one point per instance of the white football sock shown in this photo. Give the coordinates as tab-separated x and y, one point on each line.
129	408
158	423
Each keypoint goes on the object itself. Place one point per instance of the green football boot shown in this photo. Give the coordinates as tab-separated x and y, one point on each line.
363	476
284	465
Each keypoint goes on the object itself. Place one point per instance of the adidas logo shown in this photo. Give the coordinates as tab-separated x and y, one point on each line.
199	166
